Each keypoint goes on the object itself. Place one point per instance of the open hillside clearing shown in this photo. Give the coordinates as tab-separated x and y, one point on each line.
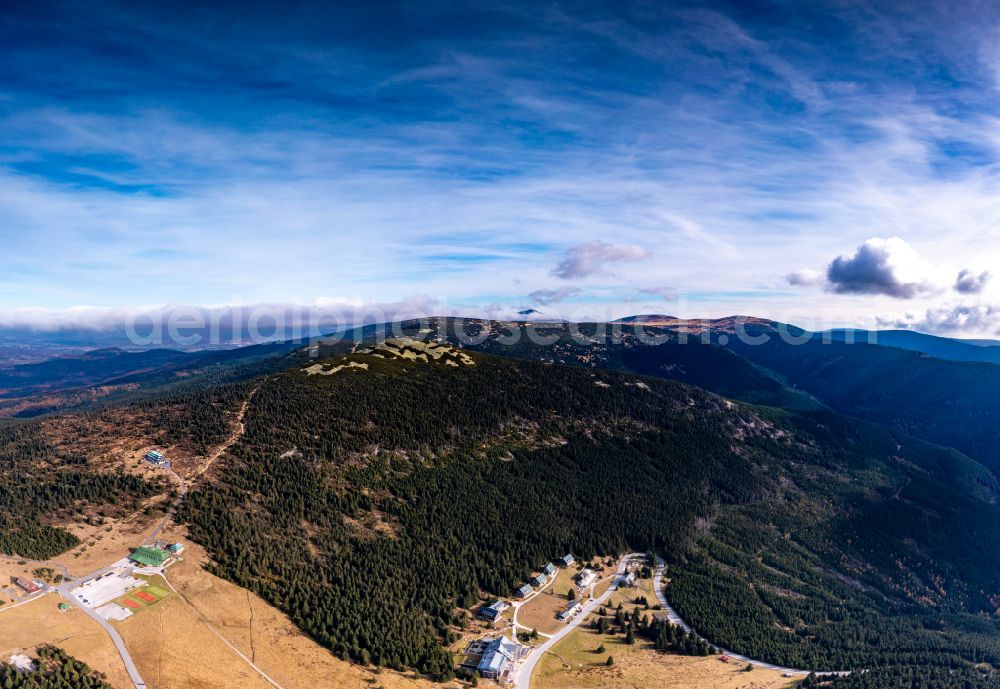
105	543
540	611
28	626
574	664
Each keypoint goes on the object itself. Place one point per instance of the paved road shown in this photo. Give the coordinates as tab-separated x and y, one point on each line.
676	619
65	590
27	599
524	674
519	604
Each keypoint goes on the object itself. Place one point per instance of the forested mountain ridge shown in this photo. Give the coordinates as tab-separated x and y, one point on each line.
652	350
803	538
951	403
430	473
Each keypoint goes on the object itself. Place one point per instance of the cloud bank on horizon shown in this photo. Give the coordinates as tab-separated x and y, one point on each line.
826	163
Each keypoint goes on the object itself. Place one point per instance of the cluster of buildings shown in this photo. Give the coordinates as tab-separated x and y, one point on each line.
496	658
542	578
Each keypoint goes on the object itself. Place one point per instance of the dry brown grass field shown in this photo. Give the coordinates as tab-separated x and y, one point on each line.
10	568
540	611
574	664
24	628
174	649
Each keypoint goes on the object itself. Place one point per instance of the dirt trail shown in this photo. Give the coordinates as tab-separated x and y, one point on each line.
238	430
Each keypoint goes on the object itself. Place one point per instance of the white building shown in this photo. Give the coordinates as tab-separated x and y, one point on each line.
499	656
585	578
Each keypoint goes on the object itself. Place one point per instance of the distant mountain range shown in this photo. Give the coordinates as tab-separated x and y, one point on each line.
940	347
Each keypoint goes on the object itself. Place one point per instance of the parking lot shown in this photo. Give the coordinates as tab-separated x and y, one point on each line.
107	587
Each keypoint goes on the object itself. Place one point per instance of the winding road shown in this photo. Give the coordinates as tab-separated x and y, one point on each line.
526	670
676	619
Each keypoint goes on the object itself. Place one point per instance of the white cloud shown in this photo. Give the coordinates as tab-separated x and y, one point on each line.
324	314
722	183
667	293
589	259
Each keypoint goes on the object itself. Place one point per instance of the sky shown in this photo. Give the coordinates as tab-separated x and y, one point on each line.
821	163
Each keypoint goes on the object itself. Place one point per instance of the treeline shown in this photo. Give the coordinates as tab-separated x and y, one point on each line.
29	497
55	669
910	677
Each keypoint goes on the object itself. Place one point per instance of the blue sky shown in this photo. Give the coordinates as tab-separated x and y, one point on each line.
821	163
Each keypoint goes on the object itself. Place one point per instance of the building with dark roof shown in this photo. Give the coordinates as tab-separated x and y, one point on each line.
492	611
